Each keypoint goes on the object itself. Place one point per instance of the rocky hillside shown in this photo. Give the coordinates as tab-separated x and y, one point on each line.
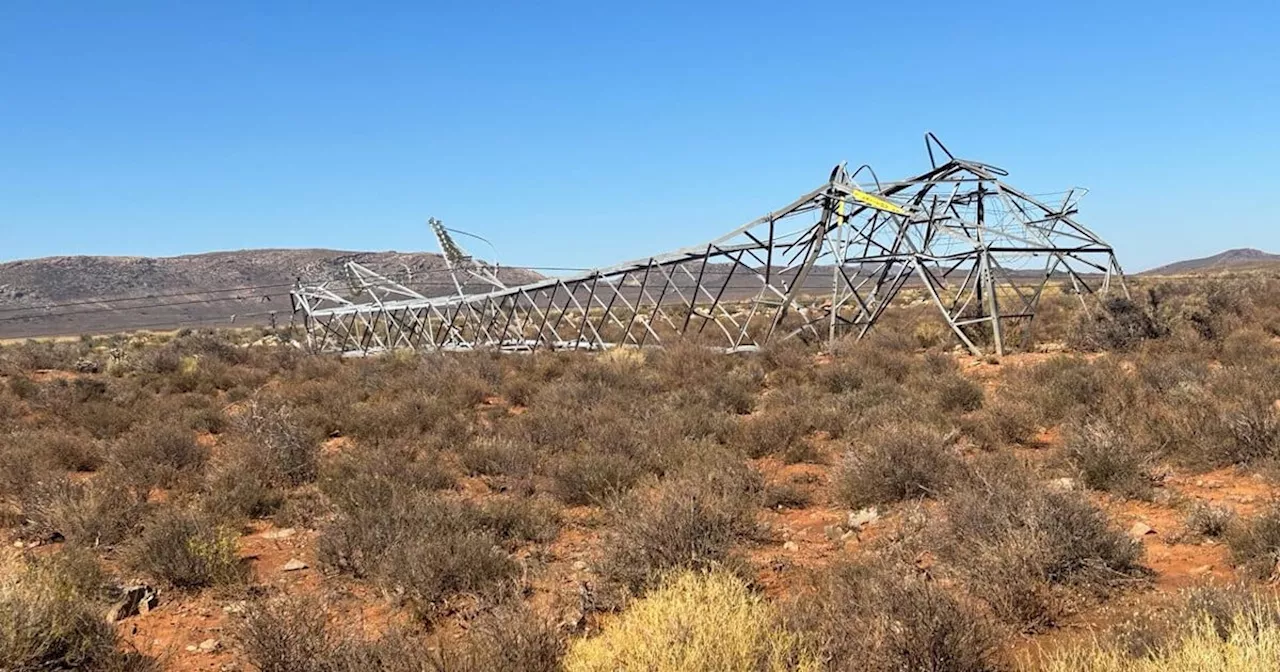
73	295
1244	259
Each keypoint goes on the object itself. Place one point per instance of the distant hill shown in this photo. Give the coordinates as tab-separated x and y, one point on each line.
1244	259
83	294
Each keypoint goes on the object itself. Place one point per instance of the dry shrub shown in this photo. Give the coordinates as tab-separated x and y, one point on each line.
957	394
498	456
695	622
236	488
1247	347
101	419
427	548
10	410
896	462
47	449
20	466
880	617
787	360
1255	543
292	634
587	477
373	475
1208	520
1106	459
1065	386
786	495
103	511
51	617
159	455
516	519
508	639
1229	419
842	376
1121	324
1029	551
186	550
774	432
690	520
1007	419
23	387
33	355
285	452
1247	639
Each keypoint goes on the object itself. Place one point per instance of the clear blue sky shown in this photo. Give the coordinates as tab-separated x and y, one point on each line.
588	133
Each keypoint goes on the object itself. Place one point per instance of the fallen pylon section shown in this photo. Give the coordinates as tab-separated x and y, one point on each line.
826	265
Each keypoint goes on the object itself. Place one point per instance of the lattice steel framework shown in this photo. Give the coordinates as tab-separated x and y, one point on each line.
827	264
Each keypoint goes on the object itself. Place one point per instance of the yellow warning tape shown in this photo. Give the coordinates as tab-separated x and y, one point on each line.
876	202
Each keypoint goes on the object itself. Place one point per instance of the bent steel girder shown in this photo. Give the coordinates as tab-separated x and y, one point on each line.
827	264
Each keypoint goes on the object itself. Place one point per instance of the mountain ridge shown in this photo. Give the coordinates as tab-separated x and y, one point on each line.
241	287
1235	259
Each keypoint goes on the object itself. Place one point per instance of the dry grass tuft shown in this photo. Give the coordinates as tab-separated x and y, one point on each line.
694	622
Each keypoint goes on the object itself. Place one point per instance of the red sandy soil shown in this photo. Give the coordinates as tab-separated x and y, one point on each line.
795	542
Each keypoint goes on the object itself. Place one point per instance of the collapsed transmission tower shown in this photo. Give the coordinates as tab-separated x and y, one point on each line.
825	265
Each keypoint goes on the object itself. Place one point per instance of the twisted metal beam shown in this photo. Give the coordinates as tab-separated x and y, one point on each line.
827	264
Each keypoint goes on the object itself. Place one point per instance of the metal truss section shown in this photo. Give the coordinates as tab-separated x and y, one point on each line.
824	266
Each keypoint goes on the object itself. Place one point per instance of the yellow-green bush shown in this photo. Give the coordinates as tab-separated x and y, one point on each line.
696	622
1252	642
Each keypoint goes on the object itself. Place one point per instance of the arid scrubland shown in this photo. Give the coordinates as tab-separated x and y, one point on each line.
1100	501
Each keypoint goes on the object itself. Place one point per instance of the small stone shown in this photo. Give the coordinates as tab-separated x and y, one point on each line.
1199	484
18	544
851	534
862	518
791	546
294	565
236	607
282	533
833	532
192	648
579	565
138	599
1140	529
1064	484
1202	569
209	645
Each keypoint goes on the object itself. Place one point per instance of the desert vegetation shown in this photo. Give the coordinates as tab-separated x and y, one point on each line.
885	504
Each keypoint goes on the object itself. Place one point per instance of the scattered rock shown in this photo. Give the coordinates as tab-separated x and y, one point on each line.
137	599
281	533
209	645
294	565
1140	530
791	546
1064	484
18	544
833	532
860	519
579	565
1202	569
238	607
